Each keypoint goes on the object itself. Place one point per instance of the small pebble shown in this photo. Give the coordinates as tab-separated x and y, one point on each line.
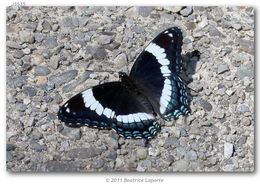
93	76
63	77
245	121
31	122
242	108
222	68
29	91
153	152
105	39
236	26
145	11
98	163
229	92
26	36
41	80
186	11
72	133
10	147
84	153
38	37
41	71
46	26
141	153
13	44
206	105
233	99
138	29
50	42
191	155
228	150
180	165
21	107
112	143
54	62
100	53
26	101
37	147
55	27
121	60
26	51
219	114
18	54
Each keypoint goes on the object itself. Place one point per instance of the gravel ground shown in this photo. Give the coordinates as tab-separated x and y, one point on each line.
50	51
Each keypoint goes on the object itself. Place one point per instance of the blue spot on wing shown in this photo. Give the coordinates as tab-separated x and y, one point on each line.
145	129
178	106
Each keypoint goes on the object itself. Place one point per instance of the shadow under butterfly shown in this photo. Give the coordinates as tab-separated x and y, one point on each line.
154	89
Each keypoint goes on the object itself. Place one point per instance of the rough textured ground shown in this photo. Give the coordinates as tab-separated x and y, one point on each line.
49	52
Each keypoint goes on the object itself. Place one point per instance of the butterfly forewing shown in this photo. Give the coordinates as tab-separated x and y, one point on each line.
156	71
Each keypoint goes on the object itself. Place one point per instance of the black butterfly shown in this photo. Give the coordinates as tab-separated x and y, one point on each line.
130	106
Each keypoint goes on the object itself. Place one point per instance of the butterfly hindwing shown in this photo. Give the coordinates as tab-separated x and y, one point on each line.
157	70
137	125
111	105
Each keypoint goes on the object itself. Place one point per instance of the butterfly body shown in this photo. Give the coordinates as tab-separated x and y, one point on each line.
132	105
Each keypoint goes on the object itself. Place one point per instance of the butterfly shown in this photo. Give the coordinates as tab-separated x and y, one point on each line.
132	105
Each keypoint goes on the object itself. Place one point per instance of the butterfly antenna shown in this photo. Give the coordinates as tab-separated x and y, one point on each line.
193	90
